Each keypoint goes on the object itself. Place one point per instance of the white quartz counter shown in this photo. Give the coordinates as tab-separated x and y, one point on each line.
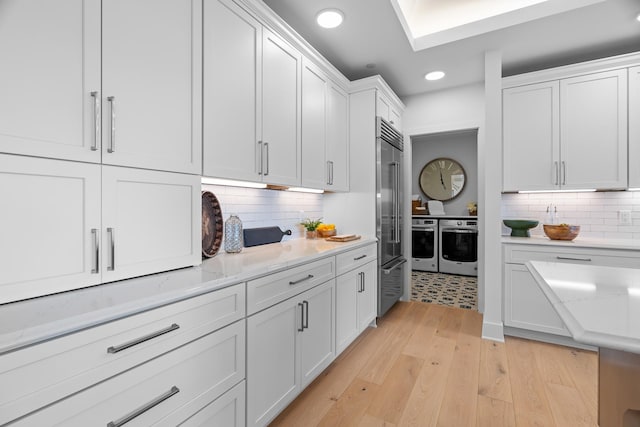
599	305
27	322
578	242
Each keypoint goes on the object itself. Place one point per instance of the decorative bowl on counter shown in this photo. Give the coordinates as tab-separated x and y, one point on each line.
520	227
561	231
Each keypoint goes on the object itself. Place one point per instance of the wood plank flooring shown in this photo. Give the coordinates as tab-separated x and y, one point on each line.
426	365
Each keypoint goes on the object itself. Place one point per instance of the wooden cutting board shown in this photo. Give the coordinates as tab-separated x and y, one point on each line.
343	238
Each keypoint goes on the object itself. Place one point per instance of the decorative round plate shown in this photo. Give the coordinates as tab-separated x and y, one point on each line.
211	224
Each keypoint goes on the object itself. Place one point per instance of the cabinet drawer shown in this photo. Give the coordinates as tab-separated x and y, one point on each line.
355	258
267	291
46	372
226	411
519	254
180	383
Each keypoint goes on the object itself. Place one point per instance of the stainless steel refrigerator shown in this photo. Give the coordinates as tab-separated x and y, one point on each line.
389	221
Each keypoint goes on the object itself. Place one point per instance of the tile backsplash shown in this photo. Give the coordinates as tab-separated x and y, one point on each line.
262	208
597	213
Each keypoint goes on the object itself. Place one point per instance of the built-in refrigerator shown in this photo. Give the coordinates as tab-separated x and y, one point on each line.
389	221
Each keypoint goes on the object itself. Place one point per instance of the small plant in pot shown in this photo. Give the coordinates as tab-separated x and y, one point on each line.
311	225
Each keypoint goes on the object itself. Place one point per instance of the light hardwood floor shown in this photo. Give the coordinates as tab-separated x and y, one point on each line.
426	365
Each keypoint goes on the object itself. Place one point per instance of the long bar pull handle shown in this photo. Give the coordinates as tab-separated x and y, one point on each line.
295	282
573	259
363	281
266	148
112	137
96	249
359	282
96	120
305	325
144	408
328	172
152	335
564	173
112	242
557	169
360	257
301	328
261	156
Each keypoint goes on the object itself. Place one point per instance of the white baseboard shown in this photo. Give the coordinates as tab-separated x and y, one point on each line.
493	331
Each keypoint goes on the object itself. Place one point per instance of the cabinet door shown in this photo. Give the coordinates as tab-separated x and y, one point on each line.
232	93
49	209
226	411
315	173
368	297
151	222
317	340
634	127
272	365
337	143
531	137
526	306
383	106
395	119
151	81
50	66
593	113
281	69
348	287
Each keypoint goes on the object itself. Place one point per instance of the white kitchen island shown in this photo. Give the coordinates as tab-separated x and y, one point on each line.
601	306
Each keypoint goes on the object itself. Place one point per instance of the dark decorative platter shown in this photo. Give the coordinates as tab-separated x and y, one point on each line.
211	224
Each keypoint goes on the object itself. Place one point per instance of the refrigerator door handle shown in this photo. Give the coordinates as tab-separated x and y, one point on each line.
396	202
394	266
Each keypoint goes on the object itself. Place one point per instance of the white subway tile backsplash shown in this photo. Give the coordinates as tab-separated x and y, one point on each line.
595	212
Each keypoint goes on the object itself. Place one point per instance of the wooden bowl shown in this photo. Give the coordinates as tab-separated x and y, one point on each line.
561	231
327	233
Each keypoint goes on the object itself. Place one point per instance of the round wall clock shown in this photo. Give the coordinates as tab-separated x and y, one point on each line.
442	179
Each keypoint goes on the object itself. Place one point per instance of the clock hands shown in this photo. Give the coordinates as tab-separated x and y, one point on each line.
442	180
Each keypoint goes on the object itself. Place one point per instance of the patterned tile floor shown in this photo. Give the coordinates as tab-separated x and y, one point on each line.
445	289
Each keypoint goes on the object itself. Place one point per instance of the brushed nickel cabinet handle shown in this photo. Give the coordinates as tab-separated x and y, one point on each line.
96	249
557	169
112	138
144	408
328	172
117	348
363	281
301	328
261	157
96	120
305	305
564	173
565	258
295	282
112	242
360	257
266	148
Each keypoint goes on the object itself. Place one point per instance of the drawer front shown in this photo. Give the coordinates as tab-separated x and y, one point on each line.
159	392
226	411
519	254
270	290
46	372
355	258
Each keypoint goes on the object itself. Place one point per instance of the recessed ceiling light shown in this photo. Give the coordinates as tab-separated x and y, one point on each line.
434	75
638	18
329	18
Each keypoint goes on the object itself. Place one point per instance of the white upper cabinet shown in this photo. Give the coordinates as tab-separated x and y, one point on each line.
566	134
50	226
232	92
117	82
315	170
593	131
337	147
385	109
252	81
50	67
531	137
151	84
634	127
281	82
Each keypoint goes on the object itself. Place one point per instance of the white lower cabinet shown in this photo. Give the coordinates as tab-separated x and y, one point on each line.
288	345
226	411
164	391
356	301
67	225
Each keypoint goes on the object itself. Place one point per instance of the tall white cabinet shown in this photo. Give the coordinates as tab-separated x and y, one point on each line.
634	127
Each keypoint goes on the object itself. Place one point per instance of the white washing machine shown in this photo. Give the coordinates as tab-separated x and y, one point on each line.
458	247
424	244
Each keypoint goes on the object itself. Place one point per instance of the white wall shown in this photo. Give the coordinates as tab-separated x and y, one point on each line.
460	146
264	208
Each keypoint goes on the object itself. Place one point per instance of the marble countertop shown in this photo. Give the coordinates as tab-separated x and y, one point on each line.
578	242
34	320
599	305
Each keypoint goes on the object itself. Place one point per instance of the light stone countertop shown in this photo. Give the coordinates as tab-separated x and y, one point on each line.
578	242
28	322
599	305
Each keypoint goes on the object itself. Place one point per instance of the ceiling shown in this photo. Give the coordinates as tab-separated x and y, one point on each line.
372	41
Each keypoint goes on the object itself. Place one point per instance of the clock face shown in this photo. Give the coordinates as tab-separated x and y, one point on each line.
442	179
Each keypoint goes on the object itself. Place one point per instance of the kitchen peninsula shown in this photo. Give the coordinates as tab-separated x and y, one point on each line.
600	306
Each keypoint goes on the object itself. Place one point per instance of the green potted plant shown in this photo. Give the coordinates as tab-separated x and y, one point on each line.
311	226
